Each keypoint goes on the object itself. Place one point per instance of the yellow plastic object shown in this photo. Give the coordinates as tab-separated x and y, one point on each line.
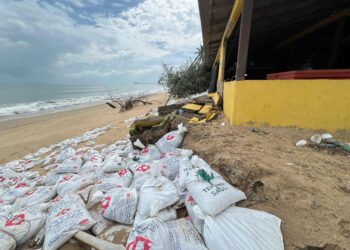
211	94
215	97
206	108
195	120
210	115
191	106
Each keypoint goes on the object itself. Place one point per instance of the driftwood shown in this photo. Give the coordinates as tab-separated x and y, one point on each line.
130	102
111	105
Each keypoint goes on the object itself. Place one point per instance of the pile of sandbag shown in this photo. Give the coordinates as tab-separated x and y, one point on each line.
128	196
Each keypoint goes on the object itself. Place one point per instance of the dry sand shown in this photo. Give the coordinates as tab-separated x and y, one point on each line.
26	135
308	189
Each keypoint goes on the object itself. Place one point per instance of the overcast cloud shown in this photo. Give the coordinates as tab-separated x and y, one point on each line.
94	41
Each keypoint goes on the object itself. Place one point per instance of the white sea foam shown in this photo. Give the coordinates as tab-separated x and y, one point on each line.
51	106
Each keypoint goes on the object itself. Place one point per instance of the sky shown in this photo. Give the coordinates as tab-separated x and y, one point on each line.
95	41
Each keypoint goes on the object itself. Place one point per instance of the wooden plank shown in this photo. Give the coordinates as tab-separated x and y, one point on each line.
244	36
311	74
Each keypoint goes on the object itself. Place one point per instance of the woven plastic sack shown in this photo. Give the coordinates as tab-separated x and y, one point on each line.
169	166
171	140
242	228
179	152
197	222
121	178
66	216
113	163
142	173
184	236
52	178
65	154
164	215
185	166
151	234
35	196
93	164
156	194
21	187
150	153
211	192
7	242
6	197
120	205
71	183
71	165
22	225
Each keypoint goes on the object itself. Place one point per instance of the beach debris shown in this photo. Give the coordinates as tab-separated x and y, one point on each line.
127	103
96	242
316	139
301	143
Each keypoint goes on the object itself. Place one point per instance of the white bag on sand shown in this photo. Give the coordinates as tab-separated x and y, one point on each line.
94	198
52	178
113	163
71	183
185	166
156	193
211	192
150	153
169	166
121	178
7	242
35	196
164	215
197	222
6	198
142	173
179	152
120	205
22	187
242	228
171	140
184	236
22	225
65	217
151	234
93	164
71	165
65	154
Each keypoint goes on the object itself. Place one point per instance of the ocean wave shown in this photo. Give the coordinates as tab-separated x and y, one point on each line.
55	105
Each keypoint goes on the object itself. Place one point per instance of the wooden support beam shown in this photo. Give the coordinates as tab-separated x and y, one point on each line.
315	27
221	75
337	38
244	36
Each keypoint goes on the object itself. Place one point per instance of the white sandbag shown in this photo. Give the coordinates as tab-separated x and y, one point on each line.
71	165
84	193
121	178
197	221
164	215
71	183
185	166
113	163
93	164
65	217
184	236
156	193
52	178
7	242
171	140
182	194
151	234
150	153
179	152
65	154
169	166
22	225
4	182
211	192
35	196
242	228
120	205
6	197
22	187
95	198
9	173
142	173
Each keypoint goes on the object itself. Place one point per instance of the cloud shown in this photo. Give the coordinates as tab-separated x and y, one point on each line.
60	42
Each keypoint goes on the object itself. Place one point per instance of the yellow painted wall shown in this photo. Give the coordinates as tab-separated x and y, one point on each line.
312	104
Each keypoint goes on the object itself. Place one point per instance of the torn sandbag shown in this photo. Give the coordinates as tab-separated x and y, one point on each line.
66	216
120	205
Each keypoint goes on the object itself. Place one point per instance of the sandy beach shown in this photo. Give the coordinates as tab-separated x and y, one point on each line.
22	136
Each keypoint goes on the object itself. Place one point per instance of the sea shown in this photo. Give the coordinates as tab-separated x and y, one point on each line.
25	100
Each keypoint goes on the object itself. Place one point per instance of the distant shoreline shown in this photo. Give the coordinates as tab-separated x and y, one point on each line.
69	107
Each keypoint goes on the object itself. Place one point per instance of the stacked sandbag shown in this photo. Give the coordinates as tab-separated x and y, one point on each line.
7	242
171	140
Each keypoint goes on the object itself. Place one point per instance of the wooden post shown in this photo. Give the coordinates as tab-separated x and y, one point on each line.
221	76
244	36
